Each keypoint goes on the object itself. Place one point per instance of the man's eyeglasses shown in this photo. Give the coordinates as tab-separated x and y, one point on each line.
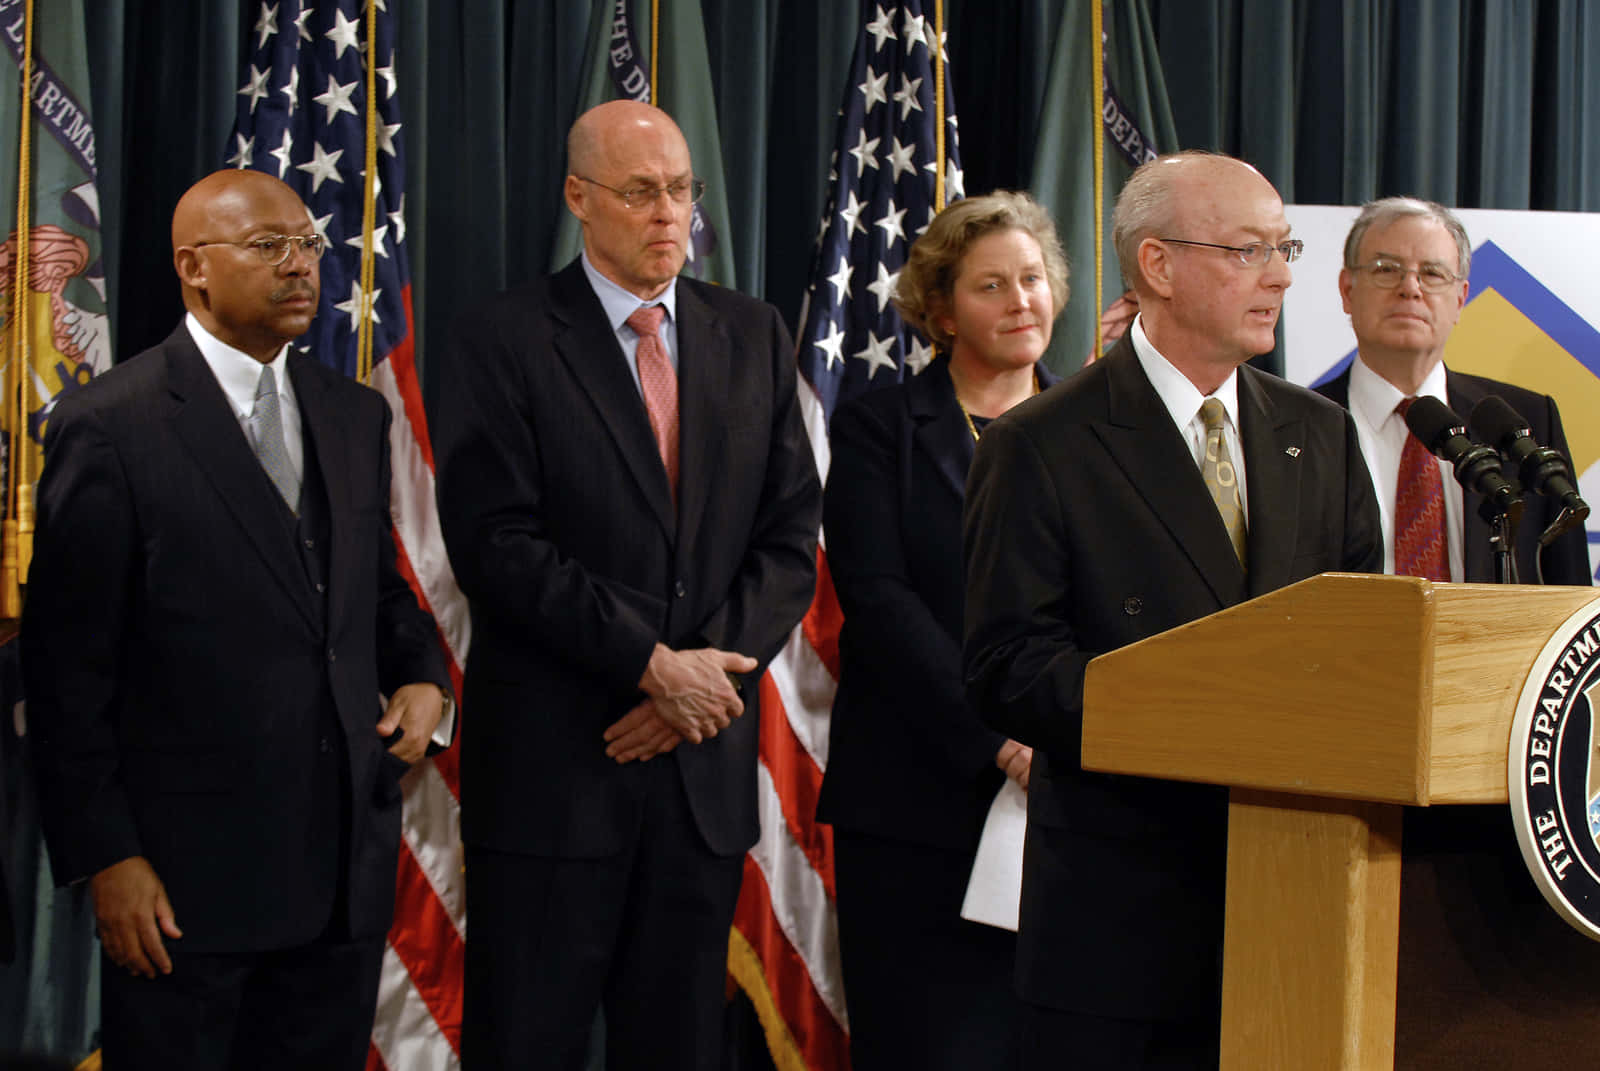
1254	255
640	197
274	248
1389	274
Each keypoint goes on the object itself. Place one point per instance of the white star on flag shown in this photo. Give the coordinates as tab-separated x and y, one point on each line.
830	346
244	153
291	88
256	86
921	355
881	29
901	159
266	25
890	224
336	98
879	353
866	152
913	31
322	166
906	96
343	34
875	89
354	307
841	281
883	288
851	214
377	234
281	153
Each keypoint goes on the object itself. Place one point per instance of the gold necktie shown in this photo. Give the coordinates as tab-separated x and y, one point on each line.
1221	479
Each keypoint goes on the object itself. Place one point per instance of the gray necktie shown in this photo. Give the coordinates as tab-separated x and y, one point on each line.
267	423
1216	468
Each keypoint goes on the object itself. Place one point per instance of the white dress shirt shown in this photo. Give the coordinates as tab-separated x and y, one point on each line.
1183	401
1383	433
239	374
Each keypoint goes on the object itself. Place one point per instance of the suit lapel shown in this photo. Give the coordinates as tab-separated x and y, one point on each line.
325	431
210	432
705	359
586	344
1143	441
1272	442
941	430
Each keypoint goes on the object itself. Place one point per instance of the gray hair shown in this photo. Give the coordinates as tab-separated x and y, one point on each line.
1386	210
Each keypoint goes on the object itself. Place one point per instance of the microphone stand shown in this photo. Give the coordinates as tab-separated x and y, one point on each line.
1502	536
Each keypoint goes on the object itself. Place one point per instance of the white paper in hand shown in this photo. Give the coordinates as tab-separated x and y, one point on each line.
994	891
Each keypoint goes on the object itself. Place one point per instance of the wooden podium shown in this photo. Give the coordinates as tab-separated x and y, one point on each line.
1329	705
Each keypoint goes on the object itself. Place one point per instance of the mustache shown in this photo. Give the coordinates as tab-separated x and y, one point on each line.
294	288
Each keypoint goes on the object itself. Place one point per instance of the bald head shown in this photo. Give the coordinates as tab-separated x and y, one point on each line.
221	196
236	293
605	133
1172	193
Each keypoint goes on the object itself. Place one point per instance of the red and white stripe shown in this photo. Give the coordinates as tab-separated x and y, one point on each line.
784	951
418	1024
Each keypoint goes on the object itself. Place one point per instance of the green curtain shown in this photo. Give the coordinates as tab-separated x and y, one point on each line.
1479	103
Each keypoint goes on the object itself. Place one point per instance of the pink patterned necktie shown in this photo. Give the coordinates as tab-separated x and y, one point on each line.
1419	542
659	383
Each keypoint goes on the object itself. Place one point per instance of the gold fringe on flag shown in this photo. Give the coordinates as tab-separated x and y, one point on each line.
16	537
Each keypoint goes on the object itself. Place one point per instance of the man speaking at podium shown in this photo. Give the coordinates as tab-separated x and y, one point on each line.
1161	484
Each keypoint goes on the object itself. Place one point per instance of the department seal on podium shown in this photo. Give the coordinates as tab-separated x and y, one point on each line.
1553	771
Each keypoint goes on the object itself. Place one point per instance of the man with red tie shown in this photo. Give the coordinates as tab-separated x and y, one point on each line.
630	503
1404	283
1479	949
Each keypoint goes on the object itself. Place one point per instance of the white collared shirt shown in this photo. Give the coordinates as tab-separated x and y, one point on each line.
1382	433
1183	400
239	374
619	304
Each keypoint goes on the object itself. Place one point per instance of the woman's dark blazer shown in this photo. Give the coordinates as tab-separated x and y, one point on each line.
908	759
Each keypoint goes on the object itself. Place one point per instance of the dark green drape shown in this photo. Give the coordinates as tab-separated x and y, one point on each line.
1479	103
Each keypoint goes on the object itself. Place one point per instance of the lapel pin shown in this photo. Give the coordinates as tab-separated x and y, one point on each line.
1293	451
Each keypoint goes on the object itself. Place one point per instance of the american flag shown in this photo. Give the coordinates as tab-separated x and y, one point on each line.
785	947
303	117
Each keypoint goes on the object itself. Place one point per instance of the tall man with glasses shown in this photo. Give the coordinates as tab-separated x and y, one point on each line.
630	503
212	612
1166	481
1466	897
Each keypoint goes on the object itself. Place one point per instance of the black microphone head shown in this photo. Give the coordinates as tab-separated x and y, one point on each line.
1494	421
1431	421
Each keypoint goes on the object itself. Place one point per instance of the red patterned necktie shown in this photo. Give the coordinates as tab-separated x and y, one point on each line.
1419	541
659	383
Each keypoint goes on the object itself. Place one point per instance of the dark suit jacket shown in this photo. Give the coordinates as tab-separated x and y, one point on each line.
1566	561
908	758
1088	527
563	534
173	645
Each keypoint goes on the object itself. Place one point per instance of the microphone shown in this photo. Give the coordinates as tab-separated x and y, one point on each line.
1543	470
1477	466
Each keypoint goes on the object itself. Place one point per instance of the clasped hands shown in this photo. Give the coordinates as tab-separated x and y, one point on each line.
689	695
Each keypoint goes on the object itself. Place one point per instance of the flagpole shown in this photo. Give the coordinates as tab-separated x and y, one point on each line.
17	533
938	106
655	38
369	203
1097	62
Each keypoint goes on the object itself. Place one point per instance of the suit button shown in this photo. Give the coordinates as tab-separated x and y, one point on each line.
323	745
679	590
332	655
311	544
1132	605
321	587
